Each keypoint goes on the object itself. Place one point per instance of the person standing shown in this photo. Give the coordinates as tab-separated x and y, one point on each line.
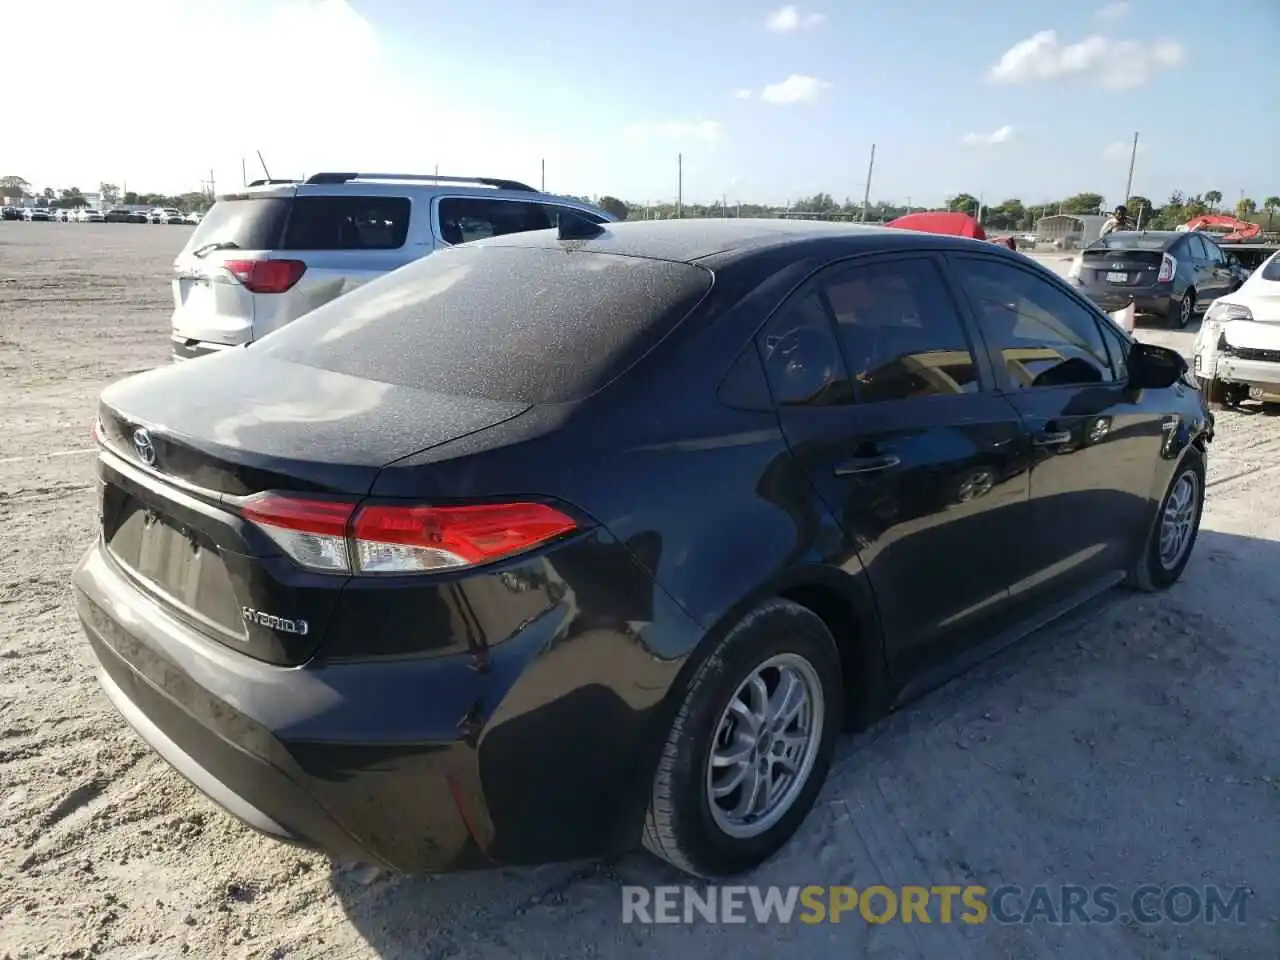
1117	221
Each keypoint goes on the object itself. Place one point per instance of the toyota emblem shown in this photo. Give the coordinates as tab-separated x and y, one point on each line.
143	447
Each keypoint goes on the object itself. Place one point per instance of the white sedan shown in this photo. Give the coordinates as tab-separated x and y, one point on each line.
1237	351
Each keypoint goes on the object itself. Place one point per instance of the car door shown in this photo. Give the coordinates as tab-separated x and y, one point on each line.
1219	269
1096	443
905	441
1202	277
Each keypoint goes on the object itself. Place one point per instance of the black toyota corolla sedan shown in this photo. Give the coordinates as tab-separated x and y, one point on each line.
552	544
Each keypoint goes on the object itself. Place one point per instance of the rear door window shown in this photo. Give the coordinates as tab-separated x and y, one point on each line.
347	223
901	333
245	224
463	219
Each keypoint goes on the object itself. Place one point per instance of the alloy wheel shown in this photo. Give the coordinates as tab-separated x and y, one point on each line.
765	745
1177	519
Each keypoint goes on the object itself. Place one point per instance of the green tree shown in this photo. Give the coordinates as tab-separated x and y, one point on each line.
1245	207
614	207
110	194
48	193
70	199
1212	198
963	203
1271	204
13	186
1082	203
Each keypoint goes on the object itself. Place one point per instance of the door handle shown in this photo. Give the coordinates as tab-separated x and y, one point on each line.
859	465
1052	438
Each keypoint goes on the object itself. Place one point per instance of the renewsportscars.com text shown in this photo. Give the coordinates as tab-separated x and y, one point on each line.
939	903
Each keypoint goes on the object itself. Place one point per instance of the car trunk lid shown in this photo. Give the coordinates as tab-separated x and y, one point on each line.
213	281
1134	268
185	445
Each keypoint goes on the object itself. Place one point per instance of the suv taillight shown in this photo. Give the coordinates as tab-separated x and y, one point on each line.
266	276
335	536
1168	266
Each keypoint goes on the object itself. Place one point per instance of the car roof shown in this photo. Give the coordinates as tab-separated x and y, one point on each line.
1168	236
697	239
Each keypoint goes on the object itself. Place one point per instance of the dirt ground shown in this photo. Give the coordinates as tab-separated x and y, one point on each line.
1134	743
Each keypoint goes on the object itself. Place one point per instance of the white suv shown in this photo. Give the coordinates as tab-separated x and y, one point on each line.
264	255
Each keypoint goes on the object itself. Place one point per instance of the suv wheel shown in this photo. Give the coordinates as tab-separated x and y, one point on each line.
1185	309
750	746
1177	523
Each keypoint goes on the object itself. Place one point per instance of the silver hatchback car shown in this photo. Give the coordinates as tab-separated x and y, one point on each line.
276	249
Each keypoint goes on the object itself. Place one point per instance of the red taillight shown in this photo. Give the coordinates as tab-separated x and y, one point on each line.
266	276
333	536
1168	267
96	433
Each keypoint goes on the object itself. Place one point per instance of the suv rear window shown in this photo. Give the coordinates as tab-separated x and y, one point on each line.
526	324
250	224
347	223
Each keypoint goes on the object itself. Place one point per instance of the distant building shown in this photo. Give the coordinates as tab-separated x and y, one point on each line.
1070	229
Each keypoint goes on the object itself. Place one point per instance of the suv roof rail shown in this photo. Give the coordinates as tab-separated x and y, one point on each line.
495	182
266	181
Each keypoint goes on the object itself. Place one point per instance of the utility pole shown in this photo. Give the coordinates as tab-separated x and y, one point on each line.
244	174
908	204
1133	158
679	185
213	190
543	188
866	193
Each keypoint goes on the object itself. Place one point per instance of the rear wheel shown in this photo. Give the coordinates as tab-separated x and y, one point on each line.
750	746
1176	527
1184	309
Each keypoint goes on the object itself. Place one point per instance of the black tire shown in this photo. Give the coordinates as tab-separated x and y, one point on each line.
680	827
1150	574
1180	313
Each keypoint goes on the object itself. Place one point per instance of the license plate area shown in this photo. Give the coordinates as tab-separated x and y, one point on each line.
1116	277
181	566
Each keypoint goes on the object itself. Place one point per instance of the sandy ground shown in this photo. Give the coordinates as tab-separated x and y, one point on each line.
1134	743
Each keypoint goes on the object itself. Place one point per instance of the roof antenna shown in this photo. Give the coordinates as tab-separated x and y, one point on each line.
574	226
264	164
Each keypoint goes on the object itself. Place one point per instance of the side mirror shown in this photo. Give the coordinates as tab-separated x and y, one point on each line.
1154	368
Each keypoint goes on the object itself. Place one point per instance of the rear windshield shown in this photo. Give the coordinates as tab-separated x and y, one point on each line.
1271	269
524	324
253	224
1129	241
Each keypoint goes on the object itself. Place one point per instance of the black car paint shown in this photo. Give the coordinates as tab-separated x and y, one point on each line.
513	714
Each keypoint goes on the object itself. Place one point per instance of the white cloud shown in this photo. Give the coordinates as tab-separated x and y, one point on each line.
744	93
789	19
1113	12
1000	135
708	131
1114	64
797	88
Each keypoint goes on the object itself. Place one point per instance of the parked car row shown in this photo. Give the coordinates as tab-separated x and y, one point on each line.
598	535
165	215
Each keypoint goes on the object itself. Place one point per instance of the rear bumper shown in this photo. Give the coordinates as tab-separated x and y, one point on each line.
1263	375
189	348
1149	300
419	764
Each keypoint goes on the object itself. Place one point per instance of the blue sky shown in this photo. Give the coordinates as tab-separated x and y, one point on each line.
766	103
